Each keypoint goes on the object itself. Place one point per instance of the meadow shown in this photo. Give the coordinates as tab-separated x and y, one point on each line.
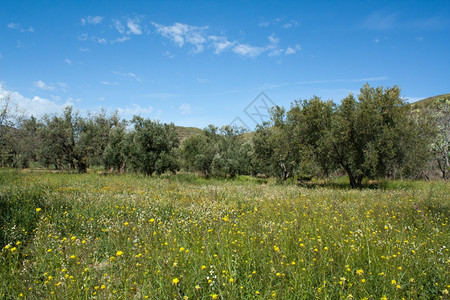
70	236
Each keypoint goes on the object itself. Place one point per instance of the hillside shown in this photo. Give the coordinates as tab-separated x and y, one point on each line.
184	132
428	102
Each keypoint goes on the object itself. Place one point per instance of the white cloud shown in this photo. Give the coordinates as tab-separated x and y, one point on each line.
35	106
135	109
119	27
278	22
273	39
91	20
264	24
276	52
220	44
183	33
168	54
43	86
17	26
129	75
134	27
293	50
84	49
132	75
68	61
109	83
83	37
202	80
100	40
247	50
290	24
185	108
120	40
378	21
13	26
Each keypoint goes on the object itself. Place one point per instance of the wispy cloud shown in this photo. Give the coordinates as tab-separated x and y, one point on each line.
109	83
43	86
17	26
281	21
94	20
168	54
130	75
220	44
379	21
185	108
293	50
85	37
134	27
68	61
182	34
290	24
120	40
247	50
119	26
135	109
388	21
36	106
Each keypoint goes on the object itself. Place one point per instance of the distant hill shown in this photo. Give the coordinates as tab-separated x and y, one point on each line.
184	132
429	102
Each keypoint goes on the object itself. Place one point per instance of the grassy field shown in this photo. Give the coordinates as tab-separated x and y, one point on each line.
69	236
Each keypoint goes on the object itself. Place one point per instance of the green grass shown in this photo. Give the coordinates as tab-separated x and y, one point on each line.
70	236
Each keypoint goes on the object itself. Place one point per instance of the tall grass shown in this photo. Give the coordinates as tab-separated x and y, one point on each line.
68	236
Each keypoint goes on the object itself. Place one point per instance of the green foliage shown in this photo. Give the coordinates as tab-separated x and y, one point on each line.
217	152
114	155
152	147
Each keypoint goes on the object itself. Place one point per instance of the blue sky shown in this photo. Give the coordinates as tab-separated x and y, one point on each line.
196	63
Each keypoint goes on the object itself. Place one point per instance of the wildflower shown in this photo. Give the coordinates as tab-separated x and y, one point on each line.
119	253
126	223
197	287
152	220
214	296
103	287
175	281
13	249
38	209
203	267
360	272
72	256
276	248
393	282
231	280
